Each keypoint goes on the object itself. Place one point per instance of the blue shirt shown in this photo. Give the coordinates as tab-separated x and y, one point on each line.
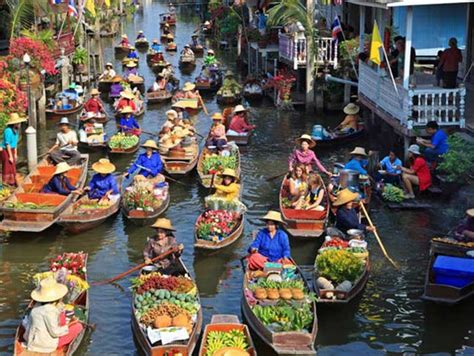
272	248
59	184
101	184
10	138
132	55
128	124
347	219
391	167
356	165
71	94
156	47
152	163
440	142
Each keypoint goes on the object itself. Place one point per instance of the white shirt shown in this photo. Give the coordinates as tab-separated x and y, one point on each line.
63	139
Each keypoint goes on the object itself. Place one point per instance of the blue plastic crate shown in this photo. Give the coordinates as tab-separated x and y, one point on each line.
454	271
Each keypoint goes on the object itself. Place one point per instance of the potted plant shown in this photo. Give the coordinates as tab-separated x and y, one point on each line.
79	60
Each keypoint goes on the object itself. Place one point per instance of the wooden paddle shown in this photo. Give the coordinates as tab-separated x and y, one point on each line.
164	175
203	105
379	240
136	268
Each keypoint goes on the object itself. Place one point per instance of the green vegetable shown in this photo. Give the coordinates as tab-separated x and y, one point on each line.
339	266
458	162
285	316
393	194
123	141
219	163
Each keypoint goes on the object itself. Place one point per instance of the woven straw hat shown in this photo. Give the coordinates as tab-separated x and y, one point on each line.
127	94
150	144
351	109
306	138
109	64
155	40
62	167
15	118
273	216
131	64
211	51
103	166
94	91
345	196
217	116
470	212
124	35
127	110
239	108
188	86
229	172
359	151
170	36
49	290
229	73
116	79
162	223
171	113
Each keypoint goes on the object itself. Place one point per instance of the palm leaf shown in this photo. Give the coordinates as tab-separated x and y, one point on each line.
23	13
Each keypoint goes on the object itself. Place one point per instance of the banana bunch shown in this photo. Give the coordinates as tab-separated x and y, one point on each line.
217	340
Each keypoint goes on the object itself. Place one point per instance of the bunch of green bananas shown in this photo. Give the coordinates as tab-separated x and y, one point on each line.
217	340
393	194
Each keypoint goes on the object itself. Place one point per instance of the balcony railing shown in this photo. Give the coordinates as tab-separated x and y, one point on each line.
413	107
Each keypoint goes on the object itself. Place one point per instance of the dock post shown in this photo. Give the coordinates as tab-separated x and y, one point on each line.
42	108
64	70
31	148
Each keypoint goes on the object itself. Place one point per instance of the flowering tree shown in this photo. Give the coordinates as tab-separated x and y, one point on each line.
283	83
12	99
41	57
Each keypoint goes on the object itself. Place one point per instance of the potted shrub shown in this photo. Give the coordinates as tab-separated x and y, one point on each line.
79	60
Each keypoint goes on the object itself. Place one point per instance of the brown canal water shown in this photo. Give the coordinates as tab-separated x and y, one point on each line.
389	318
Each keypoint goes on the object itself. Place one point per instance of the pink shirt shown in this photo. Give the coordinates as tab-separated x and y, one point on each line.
306	158
239	125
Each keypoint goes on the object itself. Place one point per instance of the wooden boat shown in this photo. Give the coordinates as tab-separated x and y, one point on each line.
187	61
229	100
180	163
160	96
171	47
226	323
82	303
92	147
216	245
129	150
104	85
100	118
329	296
38	211
142	44
252	96
282	343
443	293
142	217
121	49
52	113
340	139
168	18
303	223
185	347
240	140
205	178
75	220
198	50
208	85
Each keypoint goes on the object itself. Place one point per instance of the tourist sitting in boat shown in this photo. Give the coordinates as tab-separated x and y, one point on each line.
271	243
190	92
9	153
160	243
131	69
229	189
141	35
306	156
358	161
298	183
465	230
132	53
71	92
350	123
103	185
127	98
46	330
347	216
65	148
437	146
94	104
149	163
116	88
391	172
314	198
128	124
159	84
90	131
418	174
155	46
210	58
168	72
108	73
230	84
124	41
217	135
59	182
239	123
187	51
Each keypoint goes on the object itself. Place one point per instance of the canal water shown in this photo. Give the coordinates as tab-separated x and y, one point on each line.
388	318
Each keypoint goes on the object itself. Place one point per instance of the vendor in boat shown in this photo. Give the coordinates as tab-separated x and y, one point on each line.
9	151
347	216
130	69
103	185
306	156
127	98
166	29
128	124
390	172
168	72
187	51
190	91
418	174
210	58
217	135
350	123
231	84
195	41
358	161
148	164
271	243
109	72
155	46
116	88
140	36
314	198
65	148
94	104
465	230
71	92
124	41
46	330
229	189
132	53
298	185
59	182
437	145
159	84
158	57
162	242
239	123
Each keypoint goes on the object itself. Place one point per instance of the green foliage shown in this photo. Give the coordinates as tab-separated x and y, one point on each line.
393	194
44	36
458	163
214	5
231	23
22	13
339	266
80	56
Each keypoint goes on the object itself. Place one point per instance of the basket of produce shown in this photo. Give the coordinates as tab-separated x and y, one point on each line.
123	143
216	225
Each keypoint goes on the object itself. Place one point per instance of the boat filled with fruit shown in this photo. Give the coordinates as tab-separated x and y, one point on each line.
123	143
166	311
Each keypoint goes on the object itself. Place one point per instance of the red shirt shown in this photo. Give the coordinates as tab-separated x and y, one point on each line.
239	125
123	102
93	105
450	59
422	172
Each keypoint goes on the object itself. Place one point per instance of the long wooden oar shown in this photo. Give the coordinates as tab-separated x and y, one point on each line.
136	268
277	176
379	240
203	105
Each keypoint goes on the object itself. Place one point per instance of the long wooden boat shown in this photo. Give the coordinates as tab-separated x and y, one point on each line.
229	100
29	210
56	114
76	220
303	223
180	163
205	178
161	96
140	112
187	61
121	49
340	139
185	347
142	44
282	343
442	293
240	140
168	18
100	118
92	147
226	323
334	297
208	86
216	245
198	50
82	303
142	217
252	96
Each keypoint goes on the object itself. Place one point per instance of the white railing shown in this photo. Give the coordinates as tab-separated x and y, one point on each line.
413	107
327	52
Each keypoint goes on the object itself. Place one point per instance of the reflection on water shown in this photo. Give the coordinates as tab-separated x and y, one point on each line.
388	317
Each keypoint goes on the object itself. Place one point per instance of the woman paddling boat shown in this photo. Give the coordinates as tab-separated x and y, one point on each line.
305	156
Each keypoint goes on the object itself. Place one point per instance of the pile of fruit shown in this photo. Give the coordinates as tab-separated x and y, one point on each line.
217	340
88	206
285	317
155	280
217	163
165	315
393	194
123	141
216	225
141	196
29	206
5	193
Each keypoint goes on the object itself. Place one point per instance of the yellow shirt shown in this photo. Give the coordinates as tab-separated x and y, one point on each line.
228	192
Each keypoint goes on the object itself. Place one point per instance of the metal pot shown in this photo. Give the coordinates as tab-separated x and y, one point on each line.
355	233
350	179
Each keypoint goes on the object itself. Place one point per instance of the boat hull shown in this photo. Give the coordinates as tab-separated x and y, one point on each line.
140	217
233	237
